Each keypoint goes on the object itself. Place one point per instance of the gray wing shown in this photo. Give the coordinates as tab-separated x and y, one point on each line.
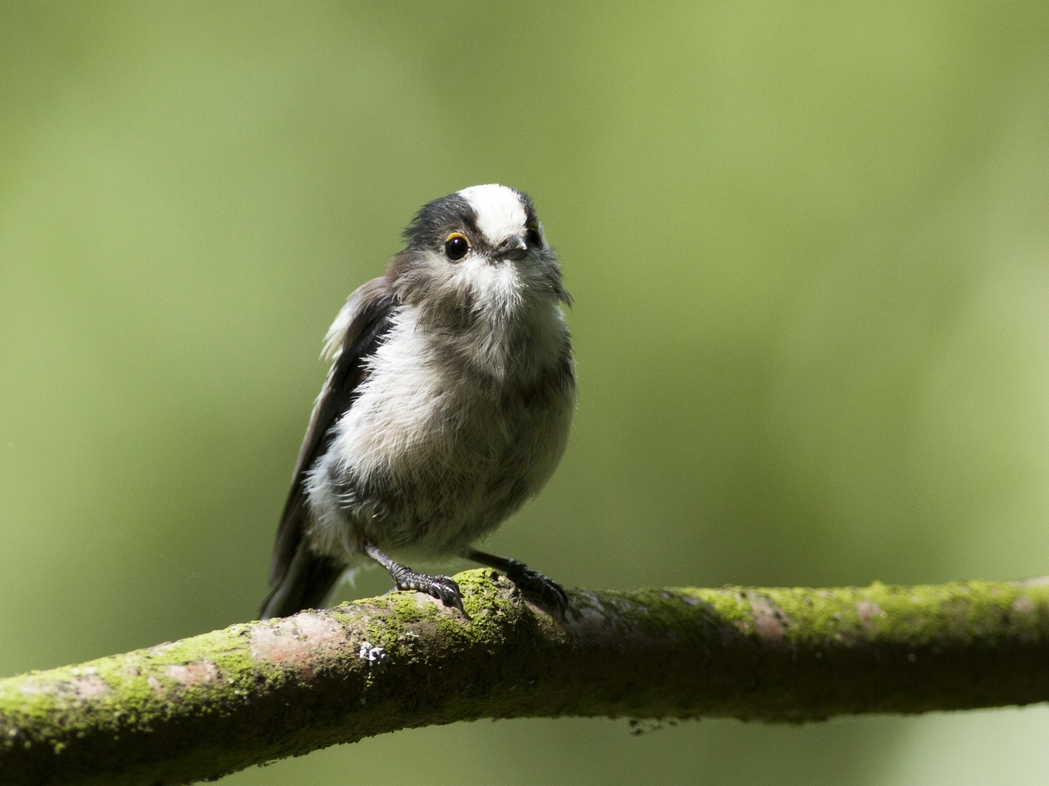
299	578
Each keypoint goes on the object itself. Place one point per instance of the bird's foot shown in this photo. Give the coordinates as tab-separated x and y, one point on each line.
444	588
533	584
545	591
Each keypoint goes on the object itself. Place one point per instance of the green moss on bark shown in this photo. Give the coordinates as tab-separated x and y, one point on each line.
219	702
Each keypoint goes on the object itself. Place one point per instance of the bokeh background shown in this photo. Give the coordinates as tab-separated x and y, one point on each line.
809	246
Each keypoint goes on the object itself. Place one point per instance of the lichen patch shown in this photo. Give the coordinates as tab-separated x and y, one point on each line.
768	619
85	685
193	673
298	640
90	686
868	611
1023	605
590	619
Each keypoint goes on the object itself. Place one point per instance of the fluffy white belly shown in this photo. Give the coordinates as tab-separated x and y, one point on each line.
428	462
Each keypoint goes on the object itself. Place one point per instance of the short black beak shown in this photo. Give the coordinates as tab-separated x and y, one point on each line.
512	248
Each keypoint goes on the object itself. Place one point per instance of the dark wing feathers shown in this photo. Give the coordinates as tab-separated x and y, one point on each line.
369	321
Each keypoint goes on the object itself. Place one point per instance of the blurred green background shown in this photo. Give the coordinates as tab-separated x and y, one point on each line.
809	246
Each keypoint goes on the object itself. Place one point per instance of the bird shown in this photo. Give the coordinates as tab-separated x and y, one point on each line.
447	406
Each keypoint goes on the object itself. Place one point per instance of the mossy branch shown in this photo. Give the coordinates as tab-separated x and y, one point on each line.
216	703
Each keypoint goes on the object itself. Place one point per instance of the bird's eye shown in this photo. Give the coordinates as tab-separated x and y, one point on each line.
534	239
456	246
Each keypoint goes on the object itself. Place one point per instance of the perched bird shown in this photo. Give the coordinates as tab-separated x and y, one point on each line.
448	405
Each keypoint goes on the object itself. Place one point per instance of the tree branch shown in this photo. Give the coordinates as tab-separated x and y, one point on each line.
216	703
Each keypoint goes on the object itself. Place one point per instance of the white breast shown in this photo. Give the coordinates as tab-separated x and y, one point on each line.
439	457
395	403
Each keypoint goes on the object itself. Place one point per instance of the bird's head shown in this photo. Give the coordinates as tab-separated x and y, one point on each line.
481	249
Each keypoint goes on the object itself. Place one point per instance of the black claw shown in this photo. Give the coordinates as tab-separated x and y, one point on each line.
546	592
448	591
444	588
534	585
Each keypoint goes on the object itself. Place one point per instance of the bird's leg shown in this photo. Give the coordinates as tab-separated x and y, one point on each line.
546	592
443	588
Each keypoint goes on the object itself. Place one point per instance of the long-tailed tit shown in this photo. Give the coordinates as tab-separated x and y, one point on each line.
447	406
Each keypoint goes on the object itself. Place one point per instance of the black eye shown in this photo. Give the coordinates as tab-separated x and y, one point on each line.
456	246
534	239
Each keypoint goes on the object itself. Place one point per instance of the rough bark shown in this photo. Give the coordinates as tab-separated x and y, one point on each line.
216	703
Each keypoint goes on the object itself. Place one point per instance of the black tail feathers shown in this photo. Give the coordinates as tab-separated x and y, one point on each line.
304	585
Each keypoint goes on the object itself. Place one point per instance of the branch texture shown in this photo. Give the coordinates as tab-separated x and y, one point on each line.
216	703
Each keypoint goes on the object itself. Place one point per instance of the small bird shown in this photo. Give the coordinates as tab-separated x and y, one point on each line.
448	404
